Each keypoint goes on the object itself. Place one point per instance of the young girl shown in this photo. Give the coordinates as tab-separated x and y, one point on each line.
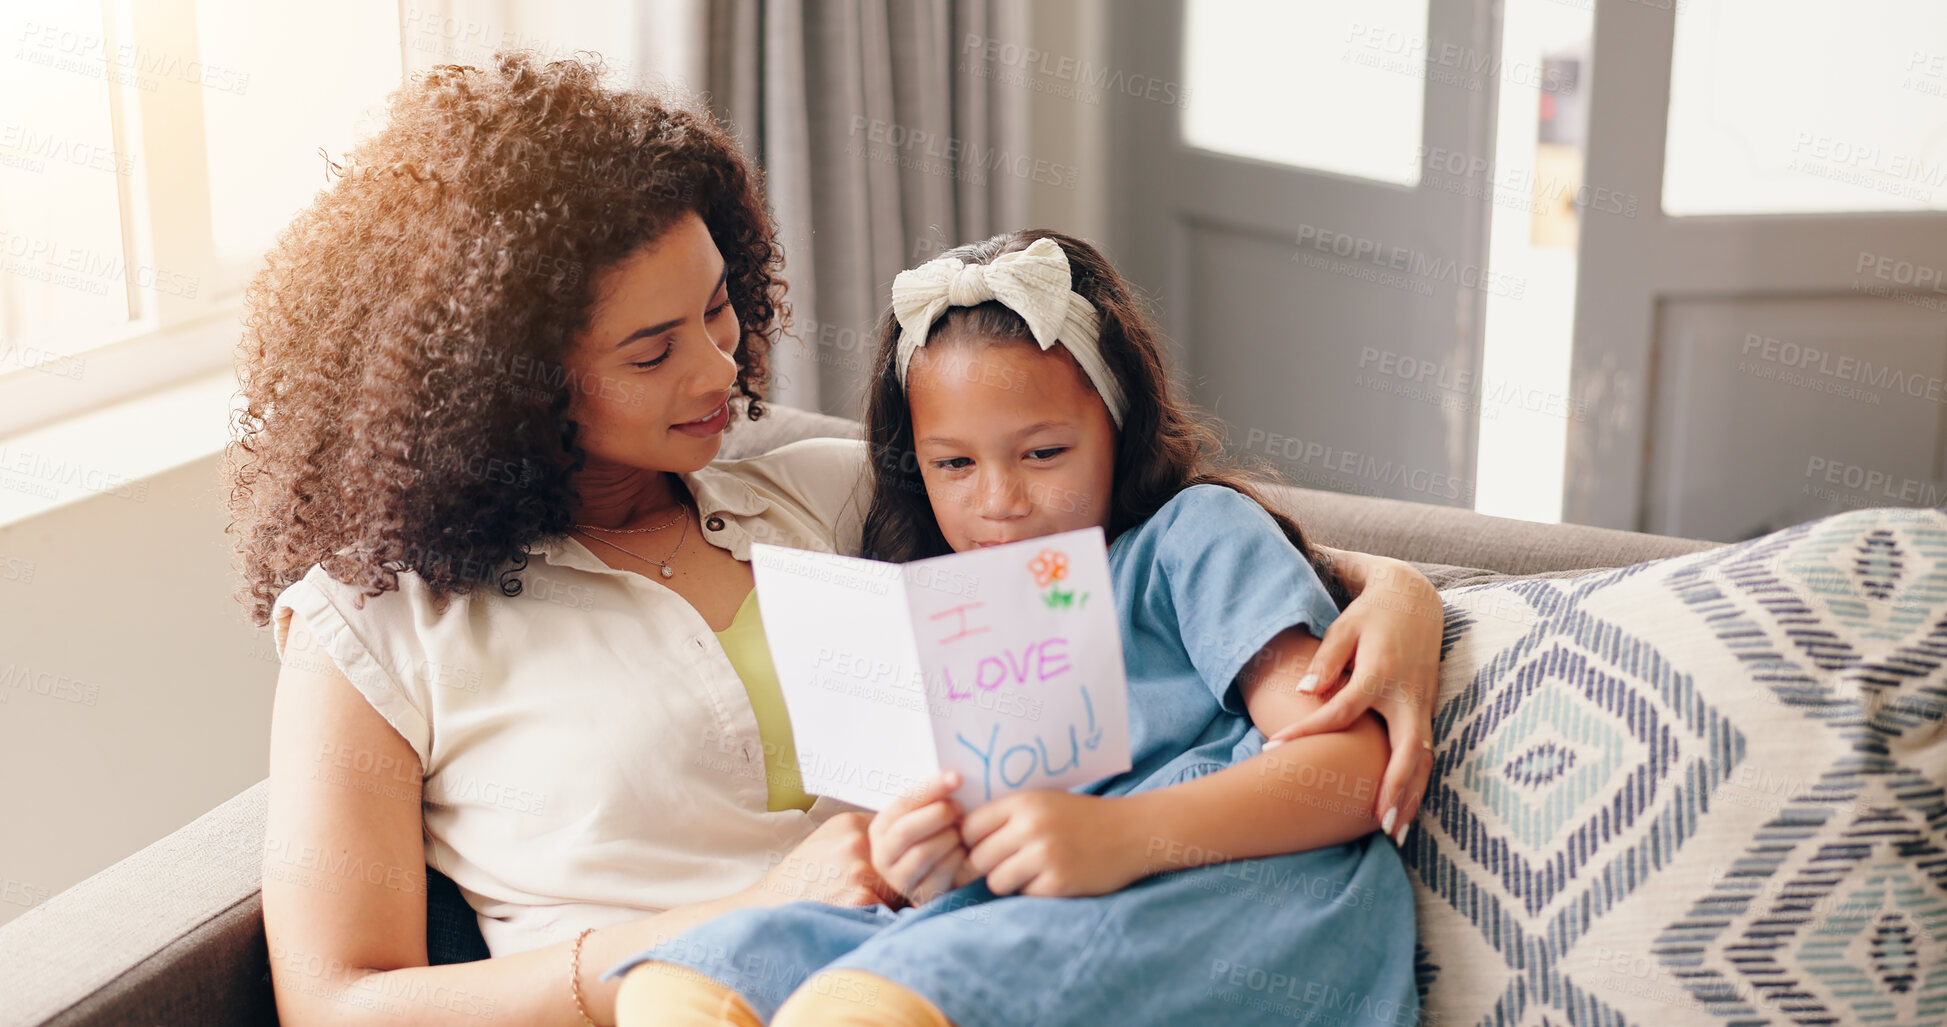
1020	392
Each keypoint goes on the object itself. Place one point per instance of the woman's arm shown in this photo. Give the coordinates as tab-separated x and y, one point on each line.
345	887
1390	635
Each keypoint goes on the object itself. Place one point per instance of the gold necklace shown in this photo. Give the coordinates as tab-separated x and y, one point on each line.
681	512
668	572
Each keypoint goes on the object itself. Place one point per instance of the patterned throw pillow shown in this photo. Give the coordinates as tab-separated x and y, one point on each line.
1706	789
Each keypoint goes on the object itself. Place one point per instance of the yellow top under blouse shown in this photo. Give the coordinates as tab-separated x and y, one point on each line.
743	641
557	732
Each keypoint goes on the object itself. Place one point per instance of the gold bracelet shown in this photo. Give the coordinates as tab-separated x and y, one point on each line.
574	978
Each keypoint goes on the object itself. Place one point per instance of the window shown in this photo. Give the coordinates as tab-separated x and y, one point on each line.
1347	78
152	149
63	174
1770	114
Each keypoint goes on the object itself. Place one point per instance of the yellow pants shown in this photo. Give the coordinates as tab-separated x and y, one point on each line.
667	995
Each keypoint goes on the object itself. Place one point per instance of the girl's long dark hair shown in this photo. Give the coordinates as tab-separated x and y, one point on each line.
1164	446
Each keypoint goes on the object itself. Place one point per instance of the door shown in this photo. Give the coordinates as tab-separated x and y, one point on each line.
1322	272
1768	343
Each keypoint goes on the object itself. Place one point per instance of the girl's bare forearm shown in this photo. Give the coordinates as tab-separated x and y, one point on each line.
1306	794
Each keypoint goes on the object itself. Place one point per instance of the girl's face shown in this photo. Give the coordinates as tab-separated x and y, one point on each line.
1011	439
650	376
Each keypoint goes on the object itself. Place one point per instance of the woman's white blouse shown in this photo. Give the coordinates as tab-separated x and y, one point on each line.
589	755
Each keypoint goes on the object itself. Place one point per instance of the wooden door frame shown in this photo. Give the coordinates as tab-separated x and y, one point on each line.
1626	265
1147	157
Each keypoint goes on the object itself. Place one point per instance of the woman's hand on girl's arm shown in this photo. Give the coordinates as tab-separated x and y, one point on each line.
1390	635
916	847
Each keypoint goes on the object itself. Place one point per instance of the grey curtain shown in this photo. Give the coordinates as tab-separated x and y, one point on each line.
885	136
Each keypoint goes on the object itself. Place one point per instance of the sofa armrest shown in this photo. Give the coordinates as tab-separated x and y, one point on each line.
172	934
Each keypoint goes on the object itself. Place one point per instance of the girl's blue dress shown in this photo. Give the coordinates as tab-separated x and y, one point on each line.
1320	937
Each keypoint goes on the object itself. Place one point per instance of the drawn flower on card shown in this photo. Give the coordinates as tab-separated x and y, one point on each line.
1048	567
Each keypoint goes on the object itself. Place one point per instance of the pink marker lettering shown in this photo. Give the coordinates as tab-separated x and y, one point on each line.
964	630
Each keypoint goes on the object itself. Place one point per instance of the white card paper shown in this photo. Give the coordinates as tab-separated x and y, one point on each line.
1003	663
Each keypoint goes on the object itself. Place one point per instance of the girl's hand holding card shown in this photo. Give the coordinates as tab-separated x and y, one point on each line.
916	845
1051	844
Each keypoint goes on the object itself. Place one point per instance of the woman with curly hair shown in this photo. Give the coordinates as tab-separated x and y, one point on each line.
485	376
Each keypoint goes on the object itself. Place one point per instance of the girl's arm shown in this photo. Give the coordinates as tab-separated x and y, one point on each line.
1306	794
1316	791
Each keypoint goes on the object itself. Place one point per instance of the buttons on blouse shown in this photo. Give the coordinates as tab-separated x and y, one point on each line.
698	643
714	524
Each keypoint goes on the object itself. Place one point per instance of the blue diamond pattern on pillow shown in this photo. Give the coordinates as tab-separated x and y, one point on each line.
1700	790
1541	765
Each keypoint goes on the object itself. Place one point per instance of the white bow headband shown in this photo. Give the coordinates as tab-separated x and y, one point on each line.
1033	282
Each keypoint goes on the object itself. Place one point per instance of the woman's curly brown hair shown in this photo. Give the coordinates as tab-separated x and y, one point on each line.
406	405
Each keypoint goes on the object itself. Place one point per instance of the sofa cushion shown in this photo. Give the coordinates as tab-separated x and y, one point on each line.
1702	789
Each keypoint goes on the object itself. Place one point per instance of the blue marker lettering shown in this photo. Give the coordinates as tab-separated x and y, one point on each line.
986	759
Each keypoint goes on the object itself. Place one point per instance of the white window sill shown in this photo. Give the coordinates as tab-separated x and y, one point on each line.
32	397
111	452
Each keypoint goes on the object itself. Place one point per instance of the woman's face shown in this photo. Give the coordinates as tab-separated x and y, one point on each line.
651	375
1013	442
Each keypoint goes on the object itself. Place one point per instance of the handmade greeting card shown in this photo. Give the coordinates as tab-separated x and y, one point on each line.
1003	663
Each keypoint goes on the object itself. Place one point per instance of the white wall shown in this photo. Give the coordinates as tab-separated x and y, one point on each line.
133	694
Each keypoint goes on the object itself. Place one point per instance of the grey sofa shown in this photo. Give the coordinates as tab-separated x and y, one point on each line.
174	934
